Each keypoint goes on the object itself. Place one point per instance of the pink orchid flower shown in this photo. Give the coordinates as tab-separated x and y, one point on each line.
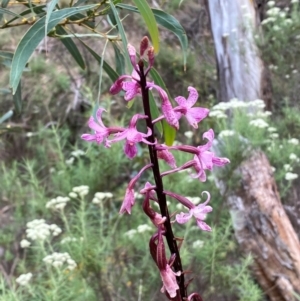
168	112
101	132
206	159
203	158
131	87
199	212
193	115
132	136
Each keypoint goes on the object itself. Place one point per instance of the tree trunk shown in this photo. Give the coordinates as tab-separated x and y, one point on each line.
261	225
241	72
263	229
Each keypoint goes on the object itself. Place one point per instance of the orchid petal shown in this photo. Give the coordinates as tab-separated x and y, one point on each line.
193	96
130	150
195	115
183	218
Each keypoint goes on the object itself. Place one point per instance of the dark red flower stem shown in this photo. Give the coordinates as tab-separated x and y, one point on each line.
159	184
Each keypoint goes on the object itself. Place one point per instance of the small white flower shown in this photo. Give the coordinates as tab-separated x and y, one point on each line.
271	3
273	169
131	233
24	243
226	133
217	114
198	244
77	153
287	76
293	157
189	134
291	176
294	1
143	228
24	279
271	129
58	259
294	141
70	161
274	135
37	230
287	167
68	239
55	230
82	190
260	123
73	194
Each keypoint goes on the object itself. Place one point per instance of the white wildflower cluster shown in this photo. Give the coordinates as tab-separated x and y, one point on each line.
226	133
289	176
75	154
131	233
293	141
81	191
68	239
58	203
198	244
140	229
294	157
276	17
24	279
259	123
219	109
58	259
39	230
101	196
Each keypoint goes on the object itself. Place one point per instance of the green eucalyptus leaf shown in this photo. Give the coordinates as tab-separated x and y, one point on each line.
110	71
122	34
169	22
50	8
4	3
38	10
33	37
8	12
6	116
147	14
17	97
71	46
120	60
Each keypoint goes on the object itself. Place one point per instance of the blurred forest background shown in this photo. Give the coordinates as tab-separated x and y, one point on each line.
60	195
